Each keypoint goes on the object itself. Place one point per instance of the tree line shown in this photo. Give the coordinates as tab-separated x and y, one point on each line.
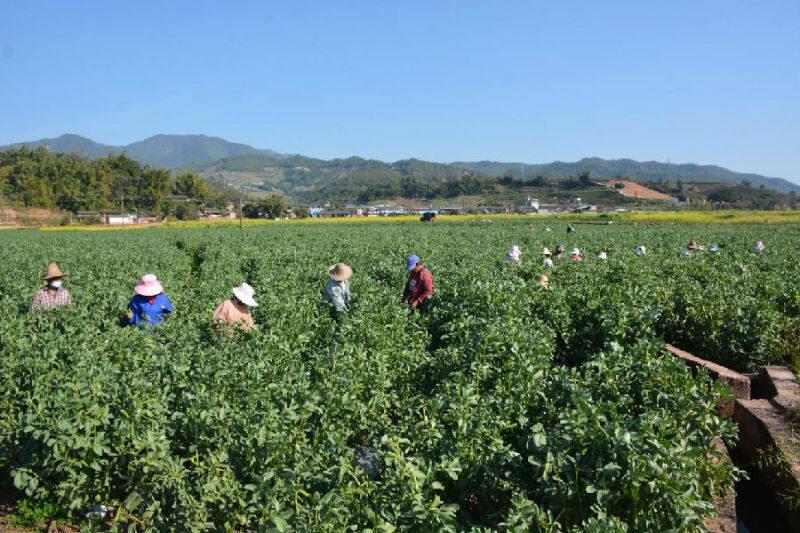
40	178
365	188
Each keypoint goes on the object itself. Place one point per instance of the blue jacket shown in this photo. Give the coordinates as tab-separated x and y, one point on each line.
145	313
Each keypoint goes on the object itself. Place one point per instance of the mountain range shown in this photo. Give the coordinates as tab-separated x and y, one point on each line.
222	161
170	151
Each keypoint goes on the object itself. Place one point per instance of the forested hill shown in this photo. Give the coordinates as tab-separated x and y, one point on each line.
299	176
636	170
168	151
42	178
344	178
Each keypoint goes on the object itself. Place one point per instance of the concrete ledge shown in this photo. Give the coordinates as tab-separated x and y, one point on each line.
767	426
725	506
738	384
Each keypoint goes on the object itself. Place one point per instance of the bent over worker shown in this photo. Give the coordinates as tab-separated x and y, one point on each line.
337	288
149	305
235	311
419	286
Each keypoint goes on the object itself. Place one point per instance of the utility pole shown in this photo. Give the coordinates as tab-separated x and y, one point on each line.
241	214
123	210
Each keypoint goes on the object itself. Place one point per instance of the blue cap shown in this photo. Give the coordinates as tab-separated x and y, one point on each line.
411	262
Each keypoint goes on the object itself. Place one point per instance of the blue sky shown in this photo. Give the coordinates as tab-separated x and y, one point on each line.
706	81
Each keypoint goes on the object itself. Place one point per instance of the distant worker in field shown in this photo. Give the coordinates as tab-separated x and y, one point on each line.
514	255
419	286
337	288
235	311
602	256
53	294
570	229
559	251
641	250
575	255
149	305
714	248
690	248
543	282
757	248
548	260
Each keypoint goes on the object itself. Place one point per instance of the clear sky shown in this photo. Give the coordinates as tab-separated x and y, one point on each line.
705	81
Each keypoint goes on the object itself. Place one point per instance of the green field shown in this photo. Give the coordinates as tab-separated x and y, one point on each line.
504	407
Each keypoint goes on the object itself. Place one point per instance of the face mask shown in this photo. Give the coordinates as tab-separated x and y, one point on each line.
56	283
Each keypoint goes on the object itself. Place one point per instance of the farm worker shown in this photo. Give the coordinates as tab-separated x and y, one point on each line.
548	261
689	248
514	255
149	305
337	288
420	283
53	294
235	311
559	250
543	282
758	247
570	229
641	250
575	255
602	256
714	248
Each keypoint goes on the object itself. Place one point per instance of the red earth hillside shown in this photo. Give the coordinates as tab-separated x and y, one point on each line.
635	190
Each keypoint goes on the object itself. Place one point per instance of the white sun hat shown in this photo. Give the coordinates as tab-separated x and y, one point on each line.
575	251
641	250
602	255
245	293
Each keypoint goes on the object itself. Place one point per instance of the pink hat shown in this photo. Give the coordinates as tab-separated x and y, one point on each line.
148	286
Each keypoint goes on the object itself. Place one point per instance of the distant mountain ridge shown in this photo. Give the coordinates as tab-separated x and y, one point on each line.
220	160
637	170
170	151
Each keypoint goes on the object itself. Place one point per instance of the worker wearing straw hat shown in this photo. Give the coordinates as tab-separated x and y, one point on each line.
543	281
575	255
149	305
514	255
548	260
53	294
235	311
337	288
690	248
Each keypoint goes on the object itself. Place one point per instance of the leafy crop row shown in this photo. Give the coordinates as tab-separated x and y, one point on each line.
504	407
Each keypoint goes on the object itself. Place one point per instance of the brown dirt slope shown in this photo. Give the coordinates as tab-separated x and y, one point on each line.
635	190
28	216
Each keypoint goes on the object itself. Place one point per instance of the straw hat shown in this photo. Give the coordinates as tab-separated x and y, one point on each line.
692	245
244	293
543	281
339	272
53	272
148	286
575	251
545	251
